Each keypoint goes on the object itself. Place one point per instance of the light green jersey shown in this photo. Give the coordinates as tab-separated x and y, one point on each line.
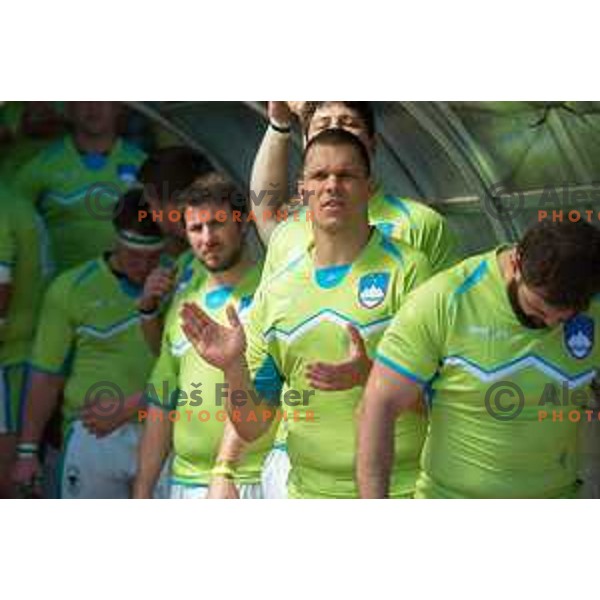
488	379
399	218
26	266
74	194
301	317
89	331
185	383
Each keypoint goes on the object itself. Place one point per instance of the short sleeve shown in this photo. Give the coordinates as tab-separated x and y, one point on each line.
414	343
56	332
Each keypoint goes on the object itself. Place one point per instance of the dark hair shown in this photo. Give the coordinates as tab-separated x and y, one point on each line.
127	214
169	171
213	187
339	137
562	260
362	109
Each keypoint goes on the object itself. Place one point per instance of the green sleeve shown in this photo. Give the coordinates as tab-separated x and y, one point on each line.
29	181
163	386
433	236
56	335
413	345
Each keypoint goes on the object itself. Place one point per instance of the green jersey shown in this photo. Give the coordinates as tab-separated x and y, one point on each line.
75	194
193	391
26	266
399	218
301	317
89	331
490	382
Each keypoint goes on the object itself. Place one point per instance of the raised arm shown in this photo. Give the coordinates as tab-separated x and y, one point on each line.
269	180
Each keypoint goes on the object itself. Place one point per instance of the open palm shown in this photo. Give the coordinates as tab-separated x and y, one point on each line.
218	345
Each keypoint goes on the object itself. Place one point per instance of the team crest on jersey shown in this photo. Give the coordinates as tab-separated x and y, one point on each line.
127	173
579	336
372	289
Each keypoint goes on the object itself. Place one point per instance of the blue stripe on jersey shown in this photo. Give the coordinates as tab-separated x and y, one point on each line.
91	268
390	364
268	381
330	277
473	278
216	298
509	368
397	203
289	267
391	248
107	332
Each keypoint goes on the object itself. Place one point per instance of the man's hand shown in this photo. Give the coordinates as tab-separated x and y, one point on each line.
159	284
345	375
218	345
26	476
222	488
107	415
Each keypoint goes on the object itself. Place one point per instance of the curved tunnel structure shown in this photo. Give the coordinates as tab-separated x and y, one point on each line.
489	166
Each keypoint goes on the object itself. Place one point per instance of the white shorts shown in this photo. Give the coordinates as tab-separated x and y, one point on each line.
103	467
198	492
276	471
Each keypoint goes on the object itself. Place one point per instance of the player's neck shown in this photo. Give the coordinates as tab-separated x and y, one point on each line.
341	247
231	277
101	144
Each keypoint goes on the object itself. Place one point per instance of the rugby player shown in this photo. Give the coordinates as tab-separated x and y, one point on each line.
75	182
89	350
333	300
488	345
400	218
25	268
183	396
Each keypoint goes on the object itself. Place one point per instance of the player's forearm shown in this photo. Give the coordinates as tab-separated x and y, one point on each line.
153	330
232	445
269	181
153	450
250	419
42	400
375	450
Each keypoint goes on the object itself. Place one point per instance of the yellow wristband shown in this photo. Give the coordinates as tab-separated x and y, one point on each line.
223	469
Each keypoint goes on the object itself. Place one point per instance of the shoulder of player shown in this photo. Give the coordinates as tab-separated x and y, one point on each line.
77	280
52	153
292	226
463	279
130	151
416	210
